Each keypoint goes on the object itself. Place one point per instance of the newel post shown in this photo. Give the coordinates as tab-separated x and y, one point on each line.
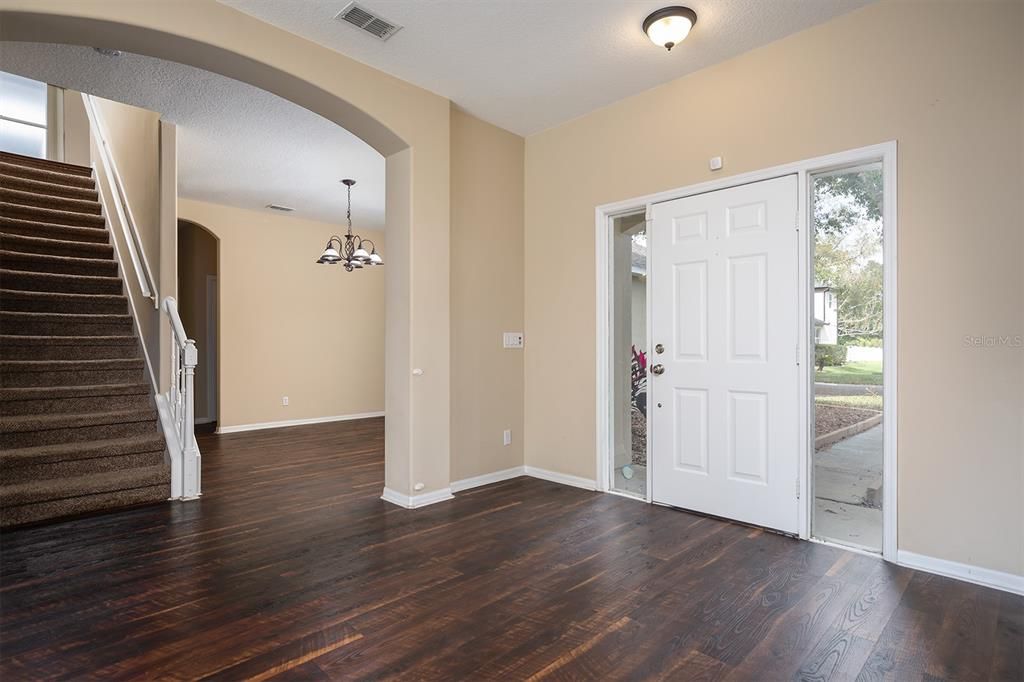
191	456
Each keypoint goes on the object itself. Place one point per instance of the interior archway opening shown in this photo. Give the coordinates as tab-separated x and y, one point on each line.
199	305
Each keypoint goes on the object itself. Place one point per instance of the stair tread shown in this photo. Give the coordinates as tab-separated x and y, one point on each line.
70	317
46	422
51	189
56	275
23	197
72	295
7	254
9	239
69	340
51	177
105	447
87	484
39	225
84	391
53	213
69	365
47	164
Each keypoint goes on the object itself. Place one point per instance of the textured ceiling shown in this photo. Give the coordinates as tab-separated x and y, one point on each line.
237	145
528	65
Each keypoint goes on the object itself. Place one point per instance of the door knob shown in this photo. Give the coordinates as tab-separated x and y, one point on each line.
658	369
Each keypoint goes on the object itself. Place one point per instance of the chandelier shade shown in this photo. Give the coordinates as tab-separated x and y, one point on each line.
330	256
350	250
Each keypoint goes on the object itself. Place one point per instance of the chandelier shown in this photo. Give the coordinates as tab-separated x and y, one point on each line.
352	251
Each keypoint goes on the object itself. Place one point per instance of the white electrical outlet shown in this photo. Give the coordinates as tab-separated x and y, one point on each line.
513	339
284	400
506	437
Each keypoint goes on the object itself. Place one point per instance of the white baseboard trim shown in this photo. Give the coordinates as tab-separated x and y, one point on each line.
416	501
564	479
987	577
486	479
296	422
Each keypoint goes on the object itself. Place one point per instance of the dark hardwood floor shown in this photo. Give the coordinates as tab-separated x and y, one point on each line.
291	567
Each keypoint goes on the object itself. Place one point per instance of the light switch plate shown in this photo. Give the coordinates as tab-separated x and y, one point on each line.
513	339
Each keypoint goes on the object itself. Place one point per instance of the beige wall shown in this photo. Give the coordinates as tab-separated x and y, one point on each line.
197	262
133	137
487	296
945	83
134	145
290	327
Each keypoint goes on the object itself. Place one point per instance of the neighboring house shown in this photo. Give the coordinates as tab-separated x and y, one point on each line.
826	315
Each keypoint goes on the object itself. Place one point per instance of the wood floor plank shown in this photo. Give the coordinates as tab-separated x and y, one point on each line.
1008	647
291	568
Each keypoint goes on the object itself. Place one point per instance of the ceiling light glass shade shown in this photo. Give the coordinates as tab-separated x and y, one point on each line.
375	259
669	26
361	254
330	256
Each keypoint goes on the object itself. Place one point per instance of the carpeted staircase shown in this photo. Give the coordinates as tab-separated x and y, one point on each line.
78	426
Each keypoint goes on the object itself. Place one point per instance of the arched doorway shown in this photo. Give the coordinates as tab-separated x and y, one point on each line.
409	126
199	306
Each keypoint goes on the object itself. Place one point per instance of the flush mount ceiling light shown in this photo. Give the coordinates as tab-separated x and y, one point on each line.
669	26
350	252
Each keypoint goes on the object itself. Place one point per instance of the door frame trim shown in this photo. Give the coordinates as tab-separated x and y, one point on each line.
212	335
886	153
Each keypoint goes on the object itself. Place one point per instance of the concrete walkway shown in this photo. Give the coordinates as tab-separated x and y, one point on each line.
848	491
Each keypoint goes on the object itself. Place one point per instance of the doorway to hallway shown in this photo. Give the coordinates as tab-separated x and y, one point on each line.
198	304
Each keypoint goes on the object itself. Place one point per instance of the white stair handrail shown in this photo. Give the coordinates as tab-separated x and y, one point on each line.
177	410
123	209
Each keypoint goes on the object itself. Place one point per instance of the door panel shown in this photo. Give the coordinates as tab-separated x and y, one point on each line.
724	304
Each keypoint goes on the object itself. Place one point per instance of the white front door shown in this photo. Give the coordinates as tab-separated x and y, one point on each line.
725	422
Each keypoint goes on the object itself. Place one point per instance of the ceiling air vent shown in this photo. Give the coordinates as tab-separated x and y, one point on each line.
372	23
279	207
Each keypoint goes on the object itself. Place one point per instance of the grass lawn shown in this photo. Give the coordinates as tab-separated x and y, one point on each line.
864	402
868	372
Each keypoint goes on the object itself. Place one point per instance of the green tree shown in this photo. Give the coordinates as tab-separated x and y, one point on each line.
848	248
859	197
